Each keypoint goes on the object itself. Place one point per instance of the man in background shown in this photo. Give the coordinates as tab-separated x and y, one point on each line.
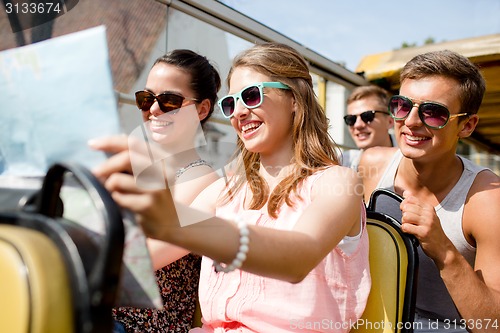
368	121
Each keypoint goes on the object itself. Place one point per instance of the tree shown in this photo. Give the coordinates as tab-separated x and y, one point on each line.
427	41
405	45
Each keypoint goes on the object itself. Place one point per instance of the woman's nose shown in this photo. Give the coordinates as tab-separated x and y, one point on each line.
240	110
155	109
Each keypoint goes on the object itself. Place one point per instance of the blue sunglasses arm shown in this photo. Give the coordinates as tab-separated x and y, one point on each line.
275	85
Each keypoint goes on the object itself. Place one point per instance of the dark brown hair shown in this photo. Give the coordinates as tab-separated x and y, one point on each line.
205	80
454	66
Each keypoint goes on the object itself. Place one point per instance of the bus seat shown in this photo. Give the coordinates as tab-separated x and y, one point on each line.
55	277
394	268
34	283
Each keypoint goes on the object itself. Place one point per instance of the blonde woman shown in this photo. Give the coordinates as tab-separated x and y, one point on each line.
284	239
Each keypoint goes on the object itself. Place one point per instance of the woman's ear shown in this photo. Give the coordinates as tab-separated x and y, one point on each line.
203	109
468	126
294	105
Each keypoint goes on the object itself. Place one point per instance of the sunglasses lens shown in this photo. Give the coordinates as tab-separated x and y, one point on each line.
434	115
400	107
251	96
170	102
367	116
167	102
144	100
227	106
350	120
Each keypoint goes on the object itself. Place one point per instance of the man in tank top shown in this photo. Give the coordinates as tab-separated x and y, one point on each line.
451	205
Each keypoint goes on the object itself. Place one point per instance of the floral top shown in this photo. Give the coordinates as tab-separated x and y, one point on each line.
178	283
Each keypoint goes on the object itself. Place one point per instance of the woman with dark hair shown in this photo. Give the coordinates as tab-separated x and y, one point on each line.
180	93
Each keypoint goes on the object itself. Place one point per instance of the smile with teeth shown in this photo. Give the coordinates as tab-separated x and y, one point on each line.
250	127
416	138
158	123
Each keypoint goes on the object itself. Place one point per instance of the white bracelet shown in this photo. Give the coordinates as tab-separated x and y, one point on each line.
242	250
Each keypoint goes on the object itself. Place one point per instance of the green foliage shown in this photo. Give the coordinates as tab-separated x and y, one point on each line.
427	41
405	45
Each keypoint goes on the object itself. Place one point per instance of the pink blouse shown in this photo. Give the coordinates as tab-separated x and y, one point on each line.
330	299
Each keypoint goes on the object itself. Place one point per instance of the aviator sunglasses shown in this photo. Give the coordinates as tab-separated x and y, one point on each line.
251	97
432	114
366	116
166	101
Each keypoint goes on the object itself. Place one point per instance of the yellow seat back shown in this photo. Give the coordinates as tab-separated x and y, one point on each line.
393	268
34	283
54	276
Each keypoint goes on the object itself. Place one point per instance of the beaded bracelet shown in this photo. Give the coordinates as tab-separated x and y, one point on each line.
242	250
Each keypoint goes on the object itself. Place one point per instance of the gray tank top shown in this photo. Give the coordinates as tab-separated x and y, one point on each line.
433	299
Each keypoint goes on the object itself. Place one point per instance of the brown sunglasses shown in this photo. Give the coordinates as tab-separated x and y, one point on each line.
166	101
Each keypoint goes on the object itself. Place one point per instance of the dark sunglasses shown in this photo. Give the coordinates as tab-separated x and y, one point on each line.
366	116
166	101
432	114
251	97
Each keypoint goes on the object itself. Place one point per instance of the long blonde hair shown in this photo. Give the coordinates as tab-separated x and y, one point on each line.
313	147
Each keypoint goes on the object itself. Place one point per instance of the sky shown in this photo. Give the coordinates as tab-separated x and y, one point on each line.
345	31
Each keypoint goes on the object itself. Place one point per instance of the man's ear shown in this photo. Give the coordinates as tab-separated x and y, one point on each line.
390	122
203	109
468	126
